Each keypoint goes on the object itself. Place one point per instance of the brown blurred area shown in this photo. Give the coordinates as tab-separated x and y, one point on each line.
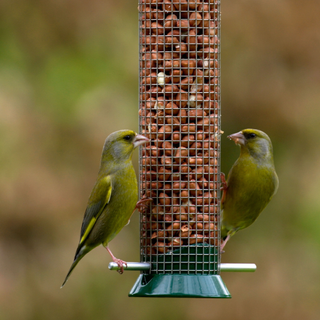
69	77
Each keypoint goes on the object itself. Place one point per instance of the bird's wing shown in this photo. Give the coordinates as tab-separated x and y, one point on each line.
99	198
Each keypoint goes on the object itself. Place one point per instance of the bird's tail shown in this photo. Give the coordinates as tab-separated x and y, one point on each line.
79	255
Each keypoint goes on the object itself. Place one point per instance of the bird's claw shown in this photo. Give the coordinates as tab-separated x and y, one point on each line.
120	264
224	187
143	204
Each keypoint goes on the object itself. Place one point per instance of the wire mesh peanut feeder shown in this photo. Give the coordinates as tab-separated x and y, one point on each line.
179	110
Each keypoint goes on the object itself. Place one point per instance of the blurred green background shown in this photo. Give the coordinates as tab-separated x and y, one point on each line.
69	77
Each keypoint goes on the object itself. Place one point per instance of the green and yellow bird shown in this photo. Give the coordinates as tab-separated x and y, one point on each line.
113	198
251	183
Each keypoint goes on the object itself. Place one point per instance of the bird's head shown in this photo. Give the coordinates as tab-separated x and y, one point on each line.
119	145
254	141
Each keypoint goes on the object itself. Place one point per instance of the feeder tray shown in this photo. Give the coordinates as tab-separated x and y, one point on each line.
179	110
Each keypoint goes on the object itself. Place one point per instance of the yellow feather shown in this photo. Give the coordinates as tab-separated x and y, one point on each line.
90	226
109	190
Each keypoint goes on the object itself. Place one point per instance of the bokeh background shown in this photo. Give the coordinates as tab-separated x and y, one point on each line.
69	77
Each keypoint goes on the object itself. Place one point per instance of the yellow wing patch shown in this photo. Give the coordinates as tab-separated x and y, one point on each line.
90	226
102	194
109	194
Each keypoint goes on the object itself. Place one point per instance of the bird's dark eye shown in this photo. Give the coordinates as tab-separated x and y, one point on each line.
127	137
251	135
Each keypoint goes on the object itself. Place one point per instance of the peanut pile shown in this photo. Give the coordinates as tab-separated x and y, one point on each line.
179	112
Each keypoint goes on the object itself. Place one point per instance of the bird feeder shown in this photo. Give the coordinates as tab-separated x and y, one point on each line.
179	110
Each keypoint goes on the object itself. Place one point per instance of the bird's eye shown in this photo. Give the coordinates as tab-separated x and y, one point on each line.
251	135
127	137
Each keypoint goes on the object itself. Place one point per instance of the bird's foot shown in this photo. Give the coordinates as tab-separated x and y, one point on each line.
143	204
119	262
224	187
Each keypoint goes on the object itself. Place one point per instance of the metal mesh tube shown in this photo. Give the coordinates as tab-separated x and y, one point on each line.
179	110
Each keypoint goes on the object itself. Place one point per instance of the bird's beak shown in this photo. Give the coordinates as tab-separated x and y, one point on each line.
139	139
238	138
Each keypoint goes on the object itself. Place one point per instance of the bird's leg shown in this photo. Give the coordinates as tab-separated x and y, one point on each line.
119	262
143	204
224	187
224	243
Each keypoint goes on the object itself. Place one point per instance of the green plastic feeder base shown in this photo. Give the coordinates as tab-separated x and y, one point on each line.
180	286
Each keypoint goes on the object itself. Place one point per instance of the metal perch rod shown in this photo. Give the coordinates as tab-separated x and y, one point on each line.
225	267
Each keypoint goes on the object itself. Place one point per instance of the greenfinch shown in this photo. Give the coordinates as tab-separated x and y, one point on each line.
251	183
113	198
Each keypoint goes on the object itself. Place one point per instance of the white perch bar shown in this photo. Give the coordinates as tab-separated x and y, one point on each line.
224	267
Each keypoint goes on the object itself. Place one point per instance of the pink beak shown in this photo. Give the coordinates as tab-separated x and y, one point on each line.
238	138
139	140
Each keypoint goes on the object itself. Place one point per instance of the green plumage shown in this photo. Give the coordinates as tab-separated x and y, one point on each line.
251	183
114	196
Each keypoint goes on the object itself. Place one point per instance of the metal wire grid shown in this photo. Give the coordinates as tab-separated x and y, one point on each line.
179	109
